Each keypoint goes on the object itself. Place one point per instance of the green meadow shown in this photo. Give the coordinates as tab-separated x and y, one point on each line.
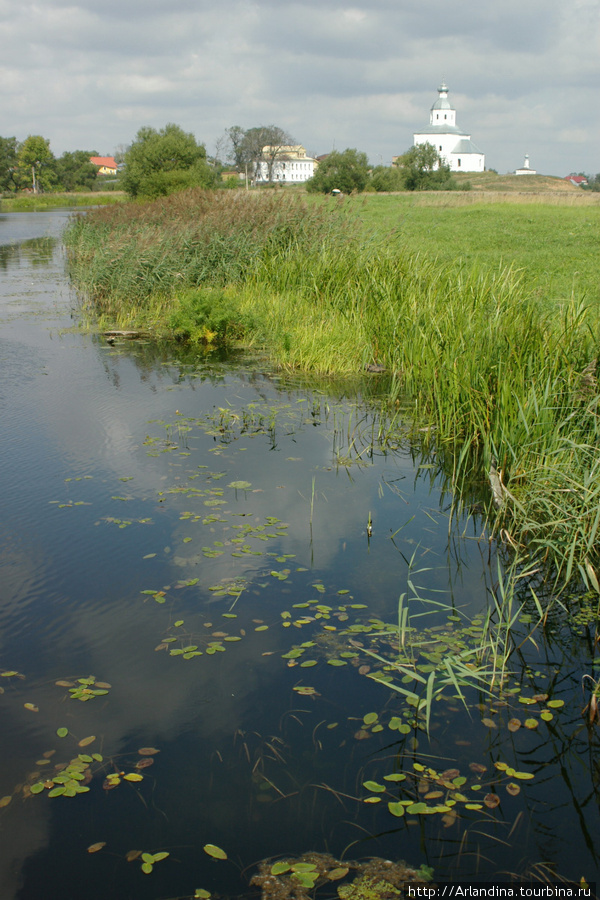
483	311
552	238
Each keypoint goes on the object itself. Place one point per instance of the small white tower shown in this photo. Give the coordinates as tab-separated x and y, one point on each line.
526	168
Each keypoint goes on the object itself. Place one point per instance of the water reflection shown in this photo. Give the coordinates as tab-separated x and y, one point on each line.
162	507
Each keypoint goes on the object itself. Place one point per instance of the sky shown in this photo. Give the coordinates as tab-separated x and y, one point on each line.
524	75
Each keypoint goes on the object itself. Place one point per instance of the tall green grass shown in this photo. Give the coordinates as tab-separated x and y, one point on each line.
502	380
493	371
134	252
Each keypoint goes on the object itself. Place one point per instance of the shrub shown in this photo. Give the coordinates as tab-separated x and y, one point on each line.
208	316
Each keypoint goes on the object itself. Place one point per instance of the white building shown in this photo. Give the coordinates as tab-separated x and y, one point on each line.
454	146
291	165
526	169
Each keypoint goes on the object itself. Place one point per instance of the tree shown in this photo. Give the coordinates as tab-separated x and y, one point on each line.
119	154
248	149
347	171
387	178
593	183
8	163
162	162
75	171
35	164
235	149
424	170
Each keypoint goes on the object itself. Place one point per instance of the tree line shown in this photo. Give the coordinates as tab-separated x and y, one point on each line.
31	165
160	162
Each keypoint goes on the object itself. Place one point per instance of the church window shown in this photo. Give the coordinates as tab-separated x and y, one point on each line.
459	160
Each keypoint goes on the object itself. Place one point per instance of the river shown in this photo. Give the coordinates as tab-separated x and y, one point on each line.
206	568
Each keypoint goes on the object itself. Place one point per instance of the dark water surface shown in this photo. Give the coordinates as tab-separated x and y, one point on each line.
173	528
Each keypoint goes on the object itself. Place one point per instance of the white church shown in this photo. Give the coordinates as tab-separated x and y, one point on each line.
454	146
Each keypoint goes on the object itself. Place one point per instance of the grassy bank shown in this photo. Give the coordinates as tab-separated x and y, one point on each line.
40	202
499	367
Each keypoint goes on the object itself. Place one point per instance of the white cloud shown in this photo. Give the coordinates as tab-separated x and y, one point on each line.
521	75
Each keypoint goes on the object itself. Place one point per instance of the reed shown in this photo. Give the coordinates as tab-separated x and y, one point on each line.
129	254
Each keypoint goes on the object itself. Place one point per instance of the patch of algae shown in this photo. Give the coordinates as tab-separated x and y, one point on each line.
376	879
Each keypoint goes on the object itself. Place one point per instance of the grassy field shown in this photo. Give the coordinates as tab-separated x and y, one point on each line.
485	316
555	244
537	184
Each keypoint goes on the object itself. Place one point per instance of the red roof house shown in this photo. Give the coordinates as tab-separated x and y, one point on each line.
106	164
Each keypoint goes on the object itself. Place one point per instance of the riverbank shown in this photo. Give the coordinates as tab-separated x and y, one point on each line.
498	362
28	202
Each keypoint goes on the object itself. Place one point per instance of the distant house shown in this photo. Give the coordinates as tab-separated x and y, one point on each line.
579	180
454	146
291	165
106	164
526	168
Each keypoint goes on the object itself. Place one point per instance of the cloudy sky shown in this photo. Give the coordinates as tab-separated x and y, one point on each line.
523	74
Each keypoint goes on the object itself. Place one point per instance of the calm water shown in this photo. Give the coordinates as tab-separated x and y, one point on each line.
173	528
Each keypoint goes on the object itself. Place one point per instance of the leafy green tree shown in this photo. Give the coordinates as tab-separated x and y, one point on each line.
387	178
162	162
8	163
346	171
36	164
74	170
593	182
423	169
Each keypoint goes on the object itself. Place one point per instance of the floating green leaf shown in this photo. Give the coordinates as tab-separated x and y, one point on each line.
417	808
336	874
396	809
57	791
214	851
374	786
279	868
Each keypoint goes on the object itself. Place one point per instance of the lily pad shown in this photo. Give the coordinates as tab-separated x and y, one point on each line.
214	851
374	786
396	809
93	848
279	868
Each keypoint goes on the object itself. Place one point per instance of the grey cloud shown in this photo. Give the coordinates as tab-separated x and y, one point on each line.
362	74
